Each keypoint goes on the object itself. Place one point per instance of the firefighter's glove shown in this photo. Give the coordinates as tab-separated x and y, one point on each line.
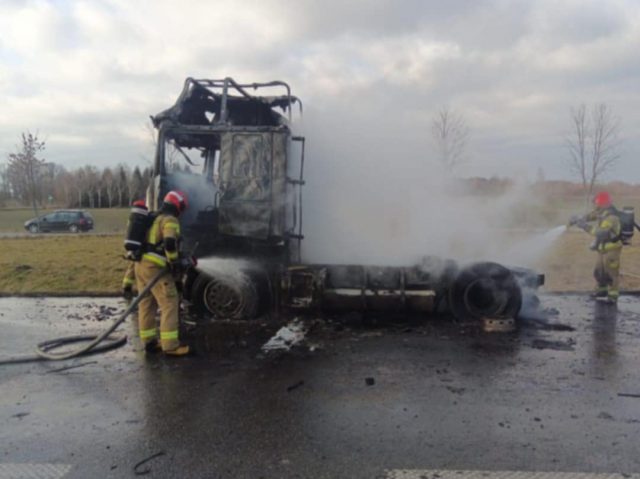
574	220
188	262
127	292
582	224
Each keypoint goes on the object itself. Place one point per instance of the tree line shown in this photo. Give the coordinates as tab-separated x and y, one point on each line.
26	179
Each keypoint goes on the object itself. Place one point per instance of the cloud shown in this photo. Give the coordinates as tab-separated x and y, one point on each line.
94	70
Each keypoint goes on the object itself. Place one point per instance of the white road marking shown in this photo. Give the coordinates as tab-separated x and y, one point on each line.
453	474
33	471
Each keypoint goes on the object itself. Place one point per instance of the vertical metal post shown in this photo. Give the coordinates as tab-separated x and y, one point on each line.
223	102
300	202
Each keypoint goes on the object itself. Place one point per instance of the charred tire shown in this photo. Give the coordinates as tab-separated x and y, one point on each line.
485	290
226	296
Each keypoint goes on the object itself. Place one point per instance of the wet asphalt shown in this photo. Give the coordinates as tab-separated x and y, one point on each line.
363	397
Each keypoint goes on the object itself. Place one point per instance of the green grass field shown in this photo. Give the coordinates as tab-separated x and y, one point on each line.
61	264
106	220
93	263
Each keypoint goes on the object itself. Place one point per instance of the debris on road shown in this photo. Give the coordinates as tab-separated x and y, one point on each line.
369	381
629	395
142	472
73	366
293	334
555	345
295	386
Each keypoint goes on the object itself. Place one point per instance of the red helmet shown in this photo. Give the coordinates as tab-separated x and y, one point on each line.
178	199
139	203
602	200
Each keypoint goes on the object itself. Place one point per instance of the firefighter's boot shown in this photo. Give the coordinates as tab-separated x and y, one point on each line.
182	350
152	346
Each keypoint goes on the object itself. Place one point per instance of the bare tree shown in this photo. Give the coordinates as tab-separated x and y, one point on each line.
122	182
25	168
63	186
79	185
92	185
450	134
136	185
5	187
109	182
593	144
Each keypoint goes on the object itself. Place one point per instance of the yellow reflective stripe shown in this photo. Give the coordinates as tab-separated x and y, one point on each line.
612	246
614	293
153	231
172	255
127	282
155	259
606	224
148	333
174	225
169	334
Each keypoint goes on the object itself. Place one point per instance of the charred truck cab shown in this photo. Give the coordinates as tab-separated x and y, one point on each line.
243	177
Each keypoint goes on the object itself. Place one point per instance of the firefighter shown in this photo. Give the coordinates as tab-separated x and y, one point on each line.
129	280
162	253
604	223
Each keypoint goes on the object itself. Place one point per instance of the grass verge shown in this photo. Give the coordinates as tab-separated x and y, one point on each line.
61	265
569	264
81	264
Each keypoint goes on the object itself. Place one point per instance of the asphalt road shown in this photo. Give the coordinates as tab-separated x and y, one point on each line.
362	398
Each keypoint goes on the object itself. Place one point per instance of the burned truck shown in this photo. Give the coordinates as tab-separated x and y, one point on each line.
244	176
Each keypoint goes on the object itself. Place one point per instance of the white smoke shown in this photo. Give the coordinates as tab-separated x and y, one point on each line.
375	195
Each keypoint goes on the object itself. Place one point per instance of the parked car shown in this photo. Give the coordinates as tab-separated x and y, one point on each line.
61	220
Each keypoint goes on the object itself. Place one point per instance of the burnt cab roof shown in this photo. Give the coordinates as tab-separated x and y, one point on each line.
225	102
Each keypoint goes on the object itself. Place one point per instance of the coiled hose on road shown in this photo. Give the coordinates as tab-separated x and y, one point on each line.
44	350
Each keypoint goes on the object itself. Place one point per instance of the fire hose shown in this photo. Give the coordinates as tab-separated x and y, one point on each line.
98	343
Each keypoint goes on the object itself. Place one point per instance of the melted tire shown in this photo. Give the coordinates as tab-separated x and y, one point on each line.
485	290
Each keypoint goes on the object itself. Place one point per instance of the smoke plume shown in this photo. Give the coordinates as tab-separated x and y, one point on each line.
375	194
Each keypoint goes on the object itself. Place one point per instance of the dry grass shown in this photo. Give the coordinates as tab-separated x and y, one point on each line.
73	264
569	264
94	264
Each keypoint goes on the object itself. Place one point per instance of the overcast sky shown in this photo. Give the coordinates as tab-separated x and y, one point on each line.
87	74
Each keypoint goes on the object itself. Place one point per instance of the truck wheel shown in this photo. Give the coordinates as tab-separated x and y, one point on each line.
226	296
485	291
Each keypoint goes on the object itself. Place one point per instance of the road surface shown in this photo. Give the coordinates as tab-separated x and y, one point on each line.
360	398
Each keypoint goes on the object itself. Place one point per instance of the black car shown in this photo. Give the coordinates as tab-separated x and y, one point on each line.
61	220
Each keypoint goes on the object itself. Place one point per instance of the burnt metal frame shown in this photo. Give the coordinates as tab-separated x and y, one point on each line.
229	83
221	126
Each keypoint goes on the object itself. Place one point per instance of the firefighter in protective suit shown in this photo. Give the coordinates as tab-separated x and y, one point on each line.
162	253
604	223
129	279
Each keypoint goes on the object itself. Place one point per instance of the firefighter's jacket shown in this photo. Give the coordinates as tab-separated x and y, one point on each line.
163	240
606	228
